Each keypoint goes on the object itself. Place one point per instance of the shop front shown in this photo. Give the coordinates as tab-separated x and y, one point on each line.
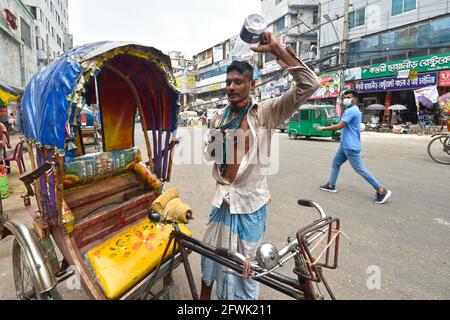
395	83
394	91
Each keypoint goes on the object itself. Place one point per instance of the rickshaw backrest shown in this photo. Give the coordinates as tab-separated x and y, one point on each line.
98	166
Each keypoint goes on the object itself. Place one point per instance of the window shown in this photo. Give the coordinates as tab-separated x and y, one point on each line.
331	113
442	28
401	6
304	115
316	17
40	45
280	24
212	73
294	117
25	32
379	60
33	11
418	53
317	114
268	57
357	18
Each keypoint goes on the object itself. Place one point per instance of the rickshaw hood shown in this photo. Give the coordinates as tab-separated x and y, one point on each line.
55	97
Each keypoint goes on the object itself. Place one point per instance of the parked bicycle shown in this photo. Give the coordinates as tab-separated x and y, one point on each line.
427	126
439	148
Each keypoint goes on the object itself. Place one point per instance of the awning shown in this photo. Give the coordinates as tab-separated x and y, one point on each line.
7	94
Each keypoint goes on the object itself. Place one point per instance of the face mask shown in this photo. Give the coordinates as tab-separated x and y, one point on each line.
348	102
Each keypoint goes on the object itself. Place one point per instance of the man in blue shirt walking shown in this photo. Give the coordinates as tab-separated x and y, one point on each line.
350	148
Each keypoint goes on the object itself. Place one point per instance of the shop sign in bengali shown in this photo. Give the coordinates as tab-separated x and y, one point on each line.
394	83
444	78
421	64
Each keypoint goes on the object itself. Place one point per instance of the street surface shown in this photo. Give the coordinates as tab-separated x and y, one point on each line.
407	240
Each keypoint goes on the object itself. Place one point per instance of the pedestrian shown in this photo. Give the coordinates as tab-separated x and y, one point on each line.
395	119
350	148
238	218
11	123
4	144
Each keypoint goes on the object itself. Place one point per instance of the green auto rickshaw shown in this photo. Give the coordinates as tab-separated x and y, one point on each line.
304	122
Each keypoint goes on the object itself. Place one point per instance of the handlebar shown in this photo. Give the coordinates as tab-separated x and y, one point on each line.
312	204
287	252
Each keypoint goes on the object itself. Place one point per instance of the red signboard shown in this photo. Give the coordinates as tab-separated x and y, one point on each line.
444	78
11	19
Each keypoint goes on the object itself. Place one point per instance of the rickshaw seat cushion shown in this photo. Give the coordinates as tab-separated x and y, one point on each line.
123	261
97	166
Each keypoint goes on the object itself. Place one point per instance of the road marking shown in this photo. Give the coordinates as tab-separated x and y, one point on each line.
443	222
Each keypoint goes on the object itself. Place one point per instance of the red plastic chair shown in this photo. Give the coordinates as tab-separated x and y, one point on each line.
17	156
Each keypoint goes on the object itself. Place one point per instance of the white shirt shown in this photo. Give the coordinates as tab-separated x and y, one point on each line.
249	192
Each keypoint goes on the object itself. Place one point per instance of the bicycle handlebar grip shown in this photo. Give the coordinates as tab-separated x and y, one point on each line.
223	252
306	203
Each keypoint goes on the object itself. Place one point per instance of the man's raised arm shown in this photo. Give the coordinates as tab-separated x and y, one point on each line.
276	111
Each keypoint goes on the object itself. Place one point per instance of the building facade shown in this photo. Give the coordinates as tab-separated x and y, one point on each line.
294	22
210	70
17	46
52	29
18	60
394	48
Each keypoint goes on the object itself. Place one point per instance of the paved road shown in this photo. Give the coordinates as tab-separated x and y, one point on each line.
407	239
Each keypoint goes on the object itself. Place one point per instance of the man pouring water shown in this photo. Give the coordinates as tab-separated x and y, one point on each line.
238	218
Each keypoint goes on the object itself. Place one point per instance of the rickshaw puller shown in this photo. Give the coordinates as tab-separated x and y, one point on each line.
238	218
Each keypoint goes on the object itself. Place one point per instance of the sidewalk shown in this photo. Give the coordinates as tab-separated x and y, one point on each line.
14	209
13	206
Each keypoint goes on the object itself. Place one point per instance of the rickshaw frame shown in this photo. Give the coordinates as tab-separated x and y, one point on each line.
151	89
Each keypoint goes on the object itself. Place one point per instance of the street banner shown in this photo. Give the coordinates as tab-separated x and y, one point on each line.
421	64
394	83
217	54
330	87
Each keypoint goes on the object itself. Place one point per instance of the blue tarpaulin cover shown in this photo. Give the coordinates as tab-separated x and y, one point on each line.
46	105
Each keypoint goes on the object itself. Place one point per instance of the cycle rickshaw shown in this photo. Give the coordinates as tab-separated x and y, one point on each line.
106	211
94	206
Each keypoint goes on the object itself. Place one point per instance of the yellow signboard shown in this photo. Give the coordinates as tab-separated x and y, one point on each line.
191	84
214	87
186	82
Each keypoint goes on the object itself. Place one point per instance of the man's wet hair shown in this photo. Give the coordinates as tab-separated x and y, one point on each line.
352	92
242	67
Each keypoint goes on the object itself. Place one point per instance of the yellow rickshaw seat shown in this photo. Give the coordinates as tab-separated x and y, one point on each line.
123	261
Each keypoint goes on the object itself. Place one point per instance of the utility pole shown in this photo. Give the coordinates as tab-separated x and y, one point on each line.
343	57
319	17
343	45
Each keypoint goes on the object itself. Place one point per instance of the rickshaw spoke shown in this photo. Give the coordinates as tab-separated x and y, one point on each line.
22	275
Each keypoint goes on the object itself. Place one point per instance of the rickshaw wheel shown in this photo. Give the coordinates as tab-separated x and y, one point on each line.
292	136
24	281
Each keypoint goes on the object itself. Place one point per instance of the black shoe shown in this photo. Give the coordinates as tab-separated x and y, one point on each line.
383	197
329	188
